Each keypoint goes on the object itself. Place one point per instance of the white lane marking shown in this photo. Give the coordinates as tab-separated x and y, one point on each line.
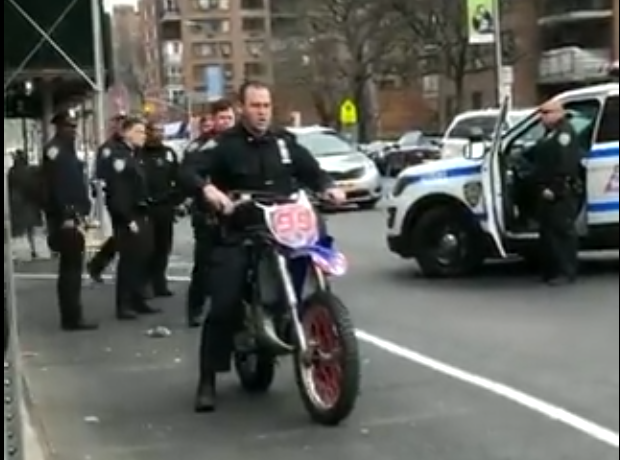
532	403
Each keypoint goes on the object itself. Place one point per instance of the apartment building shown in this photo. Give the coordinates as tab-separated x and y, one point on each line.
199	50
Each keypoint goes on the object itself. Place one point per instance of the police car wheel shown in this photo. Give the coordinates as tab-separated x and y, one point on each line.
446	241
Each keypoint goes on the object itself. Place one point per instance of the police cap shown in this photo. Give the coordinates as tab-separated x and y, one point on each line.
64	119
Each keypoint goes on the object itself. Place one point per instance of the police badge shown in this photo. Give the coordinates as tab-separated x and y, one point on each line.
285	155
564	139
52	152
119	165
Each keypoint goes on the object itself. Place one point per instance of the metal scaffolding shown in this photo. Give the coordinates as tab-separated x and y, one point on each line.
13	395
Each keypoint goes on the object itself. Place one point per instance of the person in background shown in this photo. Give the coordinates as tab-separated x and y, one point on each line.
220	118
104	257
556	160
128	200
24	197
160	164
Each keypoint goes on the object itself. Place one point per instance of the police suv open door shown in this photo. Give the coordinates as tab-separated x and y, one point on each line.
492	184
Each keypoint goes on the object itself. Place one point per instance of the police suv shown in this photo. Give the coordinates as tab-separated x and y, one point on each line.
454	214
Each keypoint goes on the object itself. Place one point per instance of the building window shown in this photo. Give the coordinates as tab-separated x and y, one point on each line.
477	100
252	4
253	25
255	48
170	6
226	49
208	5
174	71
204	50
209	26
254	69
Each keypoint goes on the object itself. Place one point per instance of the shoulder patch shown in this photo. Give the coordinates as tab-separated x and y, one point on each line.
119	165
106	152
52	152
564	139
193	146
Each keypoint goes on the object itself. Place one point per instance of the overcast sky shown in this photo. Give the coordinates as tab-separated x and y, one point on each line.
110	3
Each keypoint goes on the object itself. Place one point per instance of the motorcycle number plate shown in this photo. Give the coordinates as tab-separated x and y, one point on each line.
293	225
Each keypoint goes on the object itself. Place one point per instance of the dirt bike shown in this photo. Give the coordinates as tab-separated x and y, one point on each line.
289	306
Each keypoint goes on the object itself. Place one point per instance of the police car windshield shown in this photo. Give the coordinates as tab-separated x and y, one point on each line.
325	143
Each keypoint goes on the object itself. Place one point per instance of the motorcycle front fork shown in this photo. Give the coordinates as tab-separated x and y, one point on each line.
313	279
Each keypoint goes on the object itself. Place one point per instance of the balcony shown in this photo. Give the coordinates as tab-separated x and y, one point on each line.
567	11
573	65
170	14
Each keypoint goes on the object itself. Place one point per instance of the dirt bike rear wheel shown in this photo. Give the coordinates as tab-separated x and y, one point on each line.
256	370
329	379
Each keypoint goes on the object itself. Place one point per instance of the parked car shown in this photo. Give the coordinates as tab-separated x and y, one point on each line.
413	147
457	135
346	164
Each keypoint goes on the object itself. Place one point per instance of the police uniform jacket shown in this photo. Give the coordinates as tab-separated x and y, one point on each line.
126	186
66	193
557	158
240	160
161	168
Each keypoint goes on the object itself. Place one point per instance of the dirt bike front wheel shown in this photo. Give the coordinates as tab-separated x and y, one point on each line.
328	377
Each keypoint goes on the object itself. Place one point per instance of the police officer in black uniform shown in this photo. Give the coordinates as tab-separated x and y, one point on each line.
161	166
221	118
557	171
127	200
67	206
250	156
97	265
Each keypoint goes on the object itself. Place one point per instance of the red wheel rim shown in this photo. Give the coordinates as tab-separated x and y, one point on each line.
326	370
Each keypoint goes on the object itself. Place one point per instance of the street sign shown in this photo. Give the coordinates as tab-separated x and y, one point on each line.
348	113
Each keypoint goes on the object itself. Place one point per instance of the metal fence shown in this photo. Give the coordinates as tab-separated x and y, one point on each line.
13	424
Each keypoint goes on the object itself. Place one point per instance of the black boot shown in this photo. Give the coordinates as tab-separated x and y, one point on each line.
143	308
126	313
206	395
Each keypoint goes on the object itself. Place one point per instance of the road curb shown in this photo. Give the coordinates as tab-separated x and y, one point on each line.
33	448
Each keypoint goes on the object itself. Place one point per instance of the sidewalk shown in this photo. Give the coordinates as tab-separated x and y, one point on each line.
118	394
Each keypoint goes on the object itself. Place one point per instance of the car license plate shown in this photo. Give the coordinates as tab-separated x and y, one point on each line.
348	186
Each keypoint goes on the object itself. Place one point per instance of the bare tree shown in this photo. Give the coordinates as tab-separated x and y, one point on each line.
302	63
438	29
349	43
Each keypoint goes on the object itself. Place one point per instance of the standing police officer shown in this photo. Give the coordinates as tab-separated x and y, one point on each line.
127	200
97	265
250	156
161	167
557	171
221	118
67	206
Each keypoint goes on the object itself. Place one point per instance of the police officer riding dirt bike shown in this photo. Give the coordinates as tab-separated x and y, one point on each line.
254	156
289	308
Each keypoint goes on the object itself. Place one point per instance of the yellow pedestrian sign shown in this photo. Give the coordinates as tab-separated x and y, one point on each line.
348	113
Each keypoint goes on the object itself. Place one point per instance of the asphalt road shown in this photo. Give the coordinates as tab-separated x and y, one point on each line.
493	368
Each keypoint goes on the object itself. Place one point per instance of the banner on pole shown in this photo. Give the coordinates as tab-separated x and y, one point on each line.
481	22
